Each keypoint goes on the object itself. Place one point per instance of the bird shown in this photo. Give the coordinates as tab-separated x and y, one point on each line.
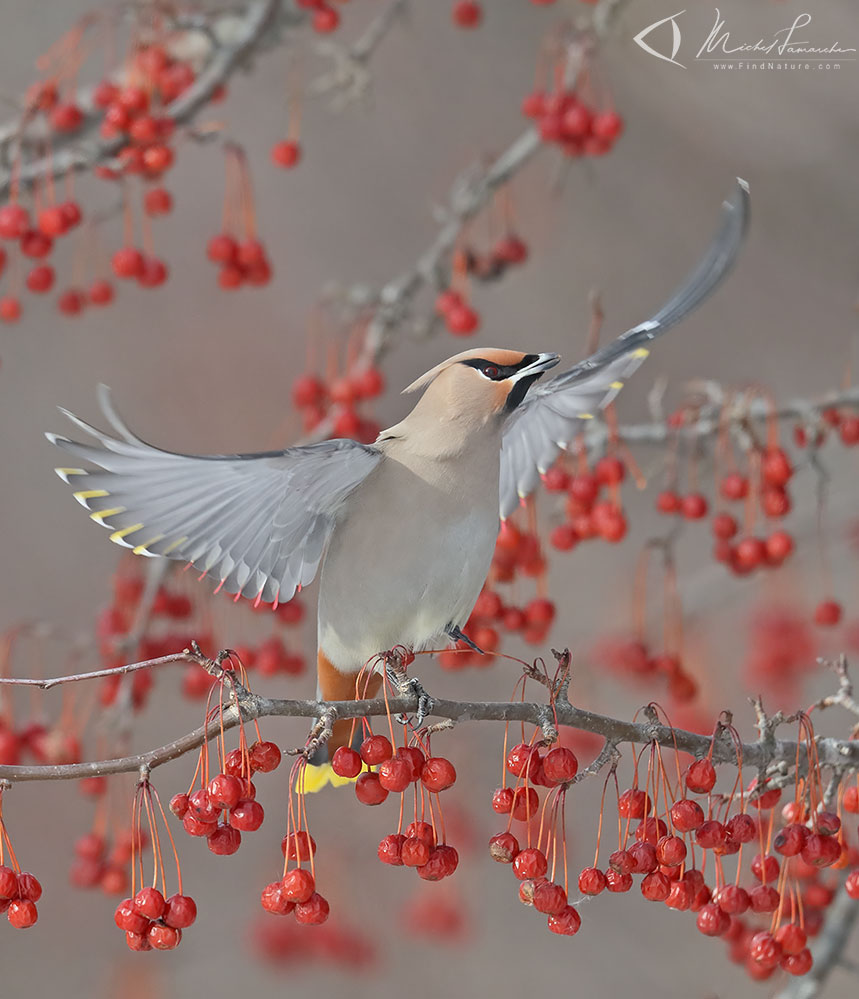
401	531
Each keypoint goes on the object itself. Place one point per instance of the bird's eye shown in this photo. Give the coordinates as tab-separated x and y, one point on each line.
491	371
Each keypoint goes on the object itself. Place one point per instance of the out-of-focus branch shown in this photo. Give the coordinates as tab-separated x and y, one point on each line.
839	754
827	949
349	77
248	32
735	417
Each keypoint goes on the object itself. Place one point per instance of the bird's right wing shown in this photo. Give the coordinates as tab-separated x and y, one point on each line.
258	523
549	417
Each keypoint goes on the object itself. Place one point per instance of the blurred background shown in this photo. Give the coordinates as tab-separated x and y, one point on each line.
196	369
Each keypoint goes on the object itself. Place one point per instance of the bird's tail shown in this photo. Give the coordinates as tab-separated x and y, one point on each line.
333	685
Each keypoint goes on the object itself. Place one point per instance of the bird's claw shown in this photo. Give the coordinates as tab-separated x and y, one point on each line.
410	686
458	635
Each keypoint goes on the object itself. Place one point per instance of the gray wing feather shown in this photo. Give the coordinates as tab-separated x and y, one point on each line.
549	417
258	523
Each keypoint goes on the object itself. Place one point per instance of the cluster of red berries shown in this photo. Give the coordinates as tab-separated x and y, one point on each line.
663	852
270	657
45	745
587	515
296	893
227	806
459	317
19	892
565	119
98	864
283	942
553	768
240	261
746	554
633	658
338	399
151	922
490	618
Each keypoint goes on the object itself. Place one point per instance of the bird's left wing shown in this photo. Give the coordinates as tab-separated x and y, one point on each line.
548	419
257	523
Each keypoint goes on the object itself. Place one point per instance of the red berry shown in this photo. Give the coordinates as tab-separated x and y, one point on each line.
438	774
247	815
694	506
14	221
149	902
274	901
701	776
157	201
504	848
686	815
765	949
462	320
668	502
286	154
22	914
127	262
525	804
224	840
391	849
312	912
763	898
775	467
467	14
71	302
40	279
568	922
798	964
325	19
51	221
395	775
29	887
712	921
298	885
821	851
67	117
180	911
633	803
442	863
375	749
655	887
162	937
560	765
550	899
368	789
617	882
129	919
222	249
224	791
530	863
101	292
607	125
670	851
734	486
265	757
502	800
828	613
592	881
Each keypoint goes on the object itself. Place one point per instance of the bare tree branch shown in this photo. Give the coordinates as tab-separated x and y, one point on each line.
250	31
840	754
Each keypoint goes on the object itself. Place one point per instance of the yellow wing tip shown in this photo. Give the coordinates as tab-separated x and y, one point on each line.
641	352
317	776
118	537
99	515
616	385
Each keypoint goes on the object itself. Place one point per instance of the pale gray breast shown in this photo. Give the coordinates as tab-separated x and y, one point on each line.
408	556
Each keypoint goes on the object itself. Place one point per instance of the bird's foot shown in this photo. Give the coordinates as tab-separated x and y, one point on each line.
458	635
407	686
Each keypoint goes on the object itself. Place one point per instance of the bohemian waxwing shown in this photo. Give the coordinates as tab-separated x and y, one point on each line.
405	528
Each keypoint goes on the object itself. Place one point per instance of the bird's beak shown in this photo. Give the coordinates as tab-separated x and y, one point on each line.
536	368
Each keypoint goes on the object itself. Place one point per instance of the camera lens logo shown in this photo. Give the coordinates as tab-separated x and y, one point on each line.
675	38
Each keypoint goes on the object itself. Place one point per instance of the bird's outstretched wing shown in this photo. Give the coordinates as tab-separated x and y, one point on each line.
258	523
548	419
